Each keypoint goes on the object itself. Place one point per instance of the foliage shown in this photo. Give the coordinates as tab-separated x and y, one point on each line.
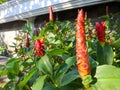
4	51
56	69
3	1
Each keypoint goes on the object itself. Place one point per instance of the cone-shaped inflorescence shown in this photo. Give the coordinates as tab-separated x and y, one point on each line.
27	41
51	18
39	47
44	23
83	63
37	32
100	28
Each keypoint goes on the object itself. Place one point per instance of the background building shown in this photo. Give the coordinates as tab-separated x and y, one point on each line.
15	13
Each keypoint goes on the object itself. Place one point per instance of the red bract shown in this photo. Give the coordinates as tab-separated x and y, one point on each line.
51	18
39	47
81	49
110	40
44	23
100	28
37	32
107	10
27	41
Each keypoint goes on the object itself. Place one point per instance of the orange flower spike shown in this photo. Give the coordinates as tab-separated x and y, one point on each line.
81	49
27	41
51	18
100	28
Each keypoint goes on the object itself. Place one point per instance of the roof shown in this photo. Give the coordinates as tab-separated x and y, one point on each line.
21	9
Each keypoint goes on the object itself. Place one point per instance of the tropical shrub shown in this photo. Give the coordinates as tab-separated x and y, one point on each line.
61	57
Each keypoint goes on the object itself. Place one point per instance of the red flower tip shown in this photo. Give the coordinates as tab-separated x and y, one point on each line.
80	16
110	40
44	23
51	18
39	47
100	28
107	10
37	32
27	41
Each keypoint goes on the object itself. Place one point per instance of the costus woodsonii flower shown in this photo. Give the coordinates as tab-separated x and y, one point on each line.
51	18
37	32
83	63
44	23
39	47
100	29
27	41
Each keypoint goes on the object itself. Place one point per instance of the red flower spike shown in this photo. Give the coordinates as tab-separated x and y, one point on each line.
107	10
83	63
51	18
37	32
39	47
100	28
44	23
27	41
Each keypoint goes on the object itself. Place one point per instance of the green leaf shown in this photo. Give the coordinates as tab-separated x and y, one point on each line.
27	78
39	83
50	86
3	70
58	52
13	66
68	63
44	65
1	88
93	63
60	72
116	43
108	78
108	54
105	54
69	77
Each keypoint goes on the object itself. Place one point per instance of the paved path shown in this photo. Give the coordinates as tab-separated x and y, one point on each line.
3	60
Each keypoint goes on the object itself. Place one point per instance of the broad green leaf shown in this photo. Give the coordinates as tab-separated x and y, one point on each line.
105	54
1	88
93	63
51	37
108	54
27	78
60	72
38	84
13	66
68	63
50	86
18	38
69	46
116	43
58	52
69	77
57	42
108	78
65	56
3	70
44	65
